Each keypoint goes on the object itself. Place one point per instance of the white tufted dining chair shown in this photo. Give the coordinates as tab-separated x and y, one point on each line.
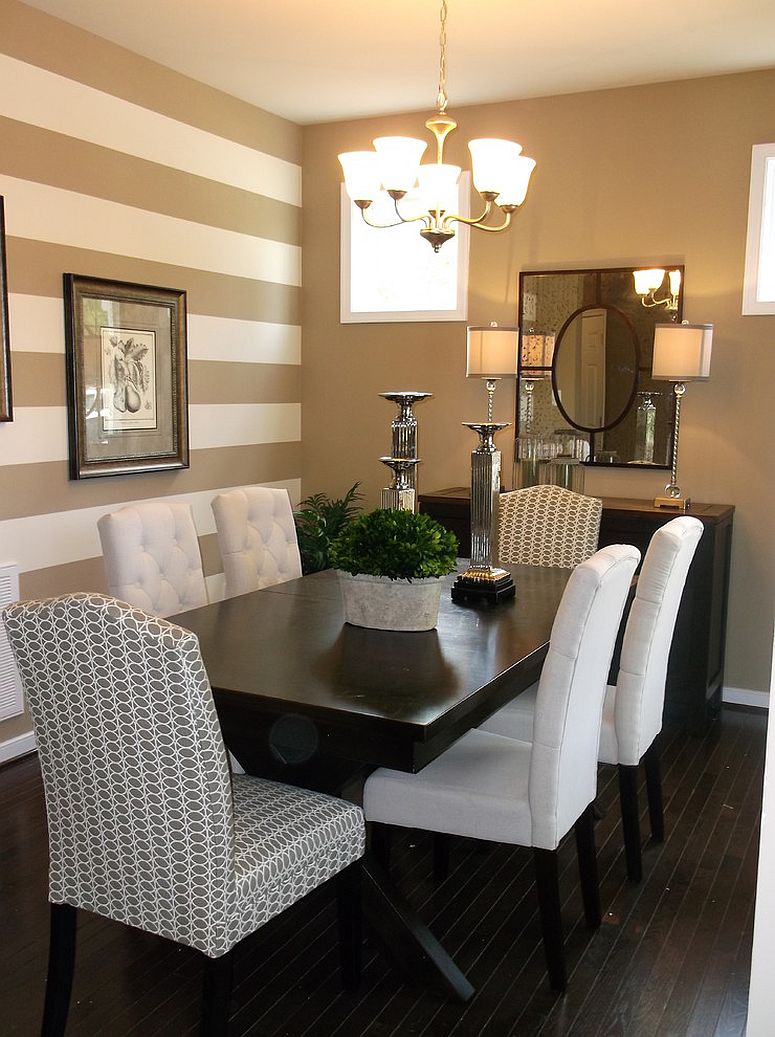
152	559
256	537
632	712
145	825
547	525
488	786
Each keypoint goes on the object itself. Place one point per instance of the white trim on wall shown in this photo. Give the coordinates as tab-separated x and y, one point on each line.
759	277
746	697
13	748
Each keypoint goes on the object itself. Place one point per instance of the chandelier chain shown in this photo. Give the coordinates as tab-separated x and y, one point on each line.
441	100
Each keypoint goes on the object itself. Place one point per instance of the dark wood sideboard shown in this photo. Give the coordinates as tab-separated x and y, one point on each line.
696	667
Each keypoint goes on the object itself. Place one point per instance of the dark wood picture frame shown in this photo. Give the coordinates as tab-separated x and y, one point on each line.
127	392
6	397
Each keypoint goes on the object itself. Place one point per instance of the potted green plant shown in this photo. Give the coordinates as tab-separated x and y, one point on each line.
319	521
390	567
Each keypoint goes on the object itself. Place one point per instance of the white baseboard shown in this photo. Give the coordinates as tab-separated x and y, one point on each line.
746	697
18	746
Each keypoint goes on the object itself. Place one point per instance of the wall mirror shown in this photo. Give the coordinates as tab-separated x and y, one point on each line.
584	389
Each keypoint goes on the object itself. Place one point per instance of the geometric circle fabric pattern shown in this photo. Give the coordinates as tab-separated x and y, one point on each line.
548	525
146	824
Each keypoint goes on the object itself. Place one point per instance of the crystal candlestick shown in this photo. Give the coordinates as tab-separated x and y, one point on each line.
482	580
404	428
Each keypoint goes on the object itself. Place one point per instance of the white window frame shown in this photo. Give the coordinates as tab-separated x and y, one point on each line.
365	251
758	296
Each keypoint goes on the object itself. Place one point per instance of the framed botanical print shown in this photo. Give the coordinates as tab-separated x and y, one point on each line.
6	399
126	377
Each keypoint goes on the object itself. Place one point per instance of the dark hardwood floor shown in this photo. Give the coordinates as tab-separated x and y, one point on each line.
671	958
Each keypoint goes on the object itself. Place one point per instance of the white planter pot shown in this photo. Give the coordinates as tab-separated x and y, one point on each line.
384	604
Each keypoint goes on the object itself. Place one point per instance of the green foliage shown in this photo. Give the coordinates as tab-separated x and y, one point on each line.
398	544
319	521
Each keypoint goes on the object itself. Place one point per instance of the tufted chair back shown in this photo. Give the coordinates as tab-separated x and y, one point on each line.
152	558
256	537
569	700
134	767
548	525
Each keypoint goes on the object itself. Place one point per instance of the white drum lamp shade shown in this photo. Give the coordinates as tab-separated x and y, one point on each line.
682	352
492	352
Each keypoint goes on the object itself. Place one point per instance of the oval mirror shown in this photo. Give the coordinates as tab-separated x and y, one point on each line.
595	367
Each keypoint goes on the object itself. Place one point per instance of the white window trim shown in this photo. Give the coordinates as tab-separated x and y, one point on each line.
761	222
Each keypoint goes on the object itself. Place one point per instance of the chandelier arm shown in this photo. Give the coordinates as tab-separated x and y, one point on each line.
410	219
500	226
472	221
380	226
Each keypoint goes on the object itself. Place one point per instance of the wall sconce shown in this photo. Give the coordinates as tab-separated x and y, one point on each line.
681	354
648	282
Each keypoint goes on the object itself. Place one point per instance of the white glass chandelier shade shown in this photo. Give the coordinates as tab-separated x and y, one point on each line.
362	175
517	181
490	158
399	160
682	352
438	187
674	277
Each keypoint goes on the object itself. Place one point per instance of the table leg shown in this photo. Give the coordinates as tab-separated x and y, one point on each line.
406	938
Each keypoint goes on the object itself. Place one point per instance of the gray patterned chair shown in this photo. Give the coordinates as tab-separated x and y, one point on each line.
145	824
548	525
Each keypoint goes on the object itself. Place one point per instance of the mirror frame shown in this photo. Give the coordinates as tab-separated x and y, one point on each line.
592	429
664	317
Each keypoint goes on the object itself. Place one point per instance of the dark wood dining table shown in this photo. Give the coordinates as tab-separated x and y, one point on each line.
304	698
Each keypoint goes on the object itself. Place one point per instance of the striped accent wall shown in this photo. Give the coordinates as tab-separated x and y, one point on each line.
112	166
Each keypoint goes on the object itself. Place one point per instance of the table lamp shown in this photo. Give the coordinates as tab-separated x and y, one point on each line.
681	354
491	355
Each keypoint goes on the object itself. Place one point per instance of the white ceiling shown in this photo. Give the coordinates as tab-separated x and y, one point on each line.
340	59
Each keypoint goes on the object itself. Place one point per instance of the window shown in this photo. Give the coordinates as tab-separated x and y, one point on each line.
759	279
394	275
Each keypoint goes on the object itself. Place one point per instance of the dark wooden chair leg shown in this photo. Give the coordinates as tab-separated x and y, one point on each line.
379	843
654	793
350	918
441	847
628	797
584	830
548	888
216	995
61	965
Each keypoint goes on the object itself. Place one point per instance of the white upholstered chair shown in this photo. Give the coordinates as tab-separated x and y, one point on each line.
488	786
256	537
152	559
547	525
632	713
145	825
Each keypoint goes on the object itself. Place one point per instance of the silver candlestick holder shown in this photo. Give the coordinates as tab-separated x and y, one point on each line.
404	428
482	581
400	495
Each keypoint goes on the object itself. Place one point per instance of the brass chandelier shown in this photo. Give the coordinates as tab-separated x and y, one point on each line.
501	173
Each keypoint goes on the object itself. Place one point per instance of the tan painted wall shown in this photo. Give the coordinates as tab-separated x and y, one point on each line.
649	174
84	163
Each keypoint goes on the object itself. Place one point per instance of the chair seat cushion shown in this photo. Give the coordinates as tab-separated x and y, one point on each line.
477	788
515	719
287	842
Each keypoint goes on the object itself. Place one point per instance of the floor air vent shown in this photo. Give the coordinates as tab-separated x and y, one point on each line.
11	700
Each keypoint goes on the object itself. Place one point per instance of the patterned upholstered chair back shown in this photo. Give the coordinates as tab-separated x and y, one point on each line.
134	766
256	537
152	558
548	525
